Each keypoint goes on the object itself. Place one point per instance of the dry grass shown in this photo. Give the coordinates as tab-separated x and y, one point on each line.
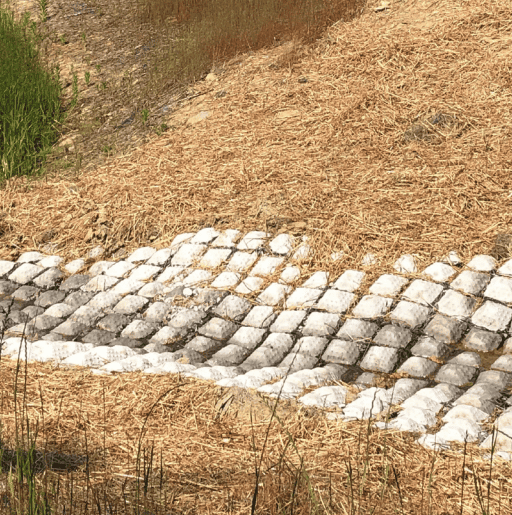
208	461
328	155
326	158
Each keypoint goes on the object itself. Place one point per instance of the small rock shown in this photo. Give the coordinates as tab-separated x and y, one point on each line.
96	252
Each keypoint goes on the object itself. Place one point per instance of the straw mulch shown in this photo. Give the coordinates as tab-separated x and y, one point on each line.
208	457
326	158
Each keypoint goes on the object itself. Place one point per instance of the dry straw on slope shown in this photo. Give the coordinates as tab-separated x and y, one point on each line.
209	461
329	158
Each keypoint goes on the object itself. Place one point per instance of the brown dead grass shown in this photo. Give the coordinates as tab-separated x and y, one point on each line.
273	153
328	153
209	460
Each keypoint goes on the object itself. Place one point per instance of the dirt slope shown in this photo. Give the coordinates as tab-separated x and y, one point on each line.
338	142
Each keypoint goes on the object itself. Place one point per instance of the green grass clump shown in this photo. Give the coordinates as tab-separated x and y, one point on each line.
29	100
